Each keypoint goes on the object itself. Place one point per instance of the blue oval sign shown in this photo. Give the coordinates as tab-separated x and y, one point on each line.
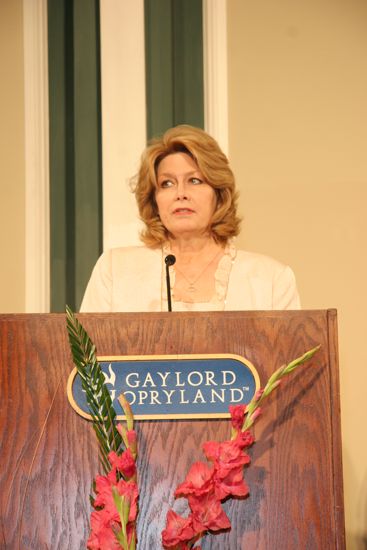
177	386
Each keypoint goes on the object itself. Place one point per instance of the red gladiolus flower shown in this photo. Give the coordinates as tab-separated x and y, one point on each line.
178	530
256	414
132	440
258	394
227	453
104	498
244	439
199	480
105	522
229	481
207	513
124	463
229	460
129	491
237	415
129	437
102	535
130	531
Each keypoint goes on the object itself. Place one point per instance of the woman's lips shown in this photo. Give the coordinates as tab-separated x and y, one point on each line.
181	211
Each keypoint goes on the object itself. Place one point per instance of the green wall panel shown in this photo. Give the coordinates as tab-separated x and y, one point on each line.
75	147
174	64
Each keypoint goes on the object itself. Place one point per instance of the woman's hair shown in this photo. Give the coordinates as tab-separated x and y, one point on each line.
212	163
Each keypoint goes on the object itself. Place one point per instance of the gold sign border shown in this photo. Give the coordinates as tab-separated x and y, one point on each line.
114	358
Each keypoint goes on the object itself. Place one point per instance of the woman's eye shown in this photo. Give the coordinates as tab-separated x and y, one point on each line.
196	181
165	183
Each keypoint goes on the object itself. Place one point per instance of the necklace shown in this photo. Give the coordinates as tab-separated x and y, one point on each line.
192	283
218	300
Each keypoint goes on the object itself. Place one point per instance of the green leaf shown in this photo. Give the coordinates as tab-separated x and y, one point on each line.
98	398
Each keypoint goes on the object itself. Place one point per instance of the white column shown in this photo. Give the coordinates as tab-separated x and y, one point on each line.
37	292
215	71
123	115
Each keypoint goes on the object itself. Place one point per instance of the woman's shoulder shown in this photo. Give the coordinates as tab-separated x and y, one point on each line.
272	283
129	253
258	262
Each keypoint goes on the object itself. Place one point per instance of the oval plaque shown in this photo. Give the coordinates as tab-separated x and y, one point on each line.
173	386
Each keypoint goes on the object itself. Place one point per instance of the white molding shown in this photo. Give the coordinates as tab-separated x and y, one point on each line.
123	116
215	71
37	224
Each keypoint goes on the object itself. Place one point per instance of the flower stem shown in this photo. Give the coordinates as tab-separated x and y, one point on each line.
253	408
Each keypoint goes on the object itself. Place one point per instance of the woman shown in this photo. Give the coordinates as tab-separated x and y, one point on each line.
187	199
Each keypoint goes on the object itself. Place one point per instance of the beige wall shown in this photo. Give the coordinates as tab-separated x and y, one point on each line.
12	163
298	145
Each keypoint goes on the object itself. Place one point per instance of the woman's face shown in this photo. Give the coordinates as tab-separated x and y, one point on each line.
186	203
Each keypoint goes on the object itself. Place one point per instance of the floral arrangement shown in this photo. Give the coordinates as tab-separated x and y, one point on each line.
113	521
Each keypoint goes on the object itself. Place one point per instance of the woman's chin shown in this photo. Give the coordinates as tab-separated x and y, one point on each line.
189	232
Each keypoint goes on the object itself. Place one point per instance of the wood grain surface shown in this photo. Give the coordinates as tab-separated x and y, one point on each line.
49	453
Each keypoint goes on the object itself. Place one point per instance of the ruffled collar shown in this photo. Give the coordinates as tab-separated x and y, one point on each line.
222	274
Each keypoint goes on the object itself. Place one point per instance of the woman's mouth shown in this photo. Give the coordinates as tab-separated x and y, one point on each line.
182	211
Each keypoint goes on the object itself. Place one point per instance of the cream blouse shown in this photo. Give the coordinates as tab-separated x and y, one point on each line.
222	274
133	279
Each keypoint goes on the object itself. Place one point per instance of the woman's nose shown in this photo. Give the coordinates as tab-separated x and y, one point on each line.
182	190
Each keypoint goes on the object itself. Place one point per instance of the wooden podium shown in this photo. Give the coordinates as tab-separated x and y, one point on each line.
49	453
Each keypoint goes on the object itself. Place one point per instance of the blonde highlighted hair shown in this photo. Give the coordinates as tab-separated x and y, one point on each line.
212	163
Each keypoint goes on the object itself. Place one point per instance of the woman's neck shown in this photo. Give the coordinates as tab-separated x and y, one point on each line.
195	268
187	248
